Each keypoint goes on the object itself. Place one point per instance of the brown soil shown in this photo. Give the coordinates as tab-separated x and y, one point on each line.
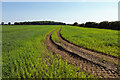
105	60
87	60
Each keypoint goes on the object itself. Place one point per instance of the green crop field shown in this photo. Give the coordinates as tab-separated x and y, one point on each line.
100	40
25	55
55	36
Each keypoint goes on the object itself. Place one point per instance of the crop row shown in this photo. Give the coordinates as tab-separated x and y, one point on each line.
26	56
100	40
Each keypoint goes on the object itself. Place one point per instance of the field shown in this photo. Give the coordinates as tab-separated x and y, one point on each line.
59	40
100	40
25	55
88	49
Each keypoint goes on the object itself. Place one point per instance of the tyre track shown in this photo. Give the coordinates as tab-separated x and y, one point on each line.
89	55
101	55
75	59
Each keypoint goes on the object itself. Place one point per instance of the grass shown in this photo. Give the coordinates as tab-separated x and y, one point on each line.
100	40
55	36
25	55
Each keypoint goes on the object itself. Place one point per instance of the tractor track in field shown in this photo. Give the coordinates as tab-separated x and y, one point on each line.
88	61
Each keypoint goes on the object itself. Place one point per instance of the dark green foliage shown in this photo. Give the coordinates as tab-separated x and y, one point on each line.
91	24
39	23
9	23
82	25
75	24
104	25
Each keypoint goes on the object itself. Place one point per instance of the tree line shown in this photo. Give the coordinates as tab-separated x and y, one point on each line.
115	25
35	23
39	23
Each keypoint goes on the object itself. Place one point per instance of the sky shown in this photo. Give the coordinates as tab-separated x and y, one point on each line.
68	12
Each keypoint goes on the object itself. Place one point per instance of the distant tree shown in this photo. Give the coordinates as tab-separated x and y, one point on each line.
39	23
16	23
82	25
115	25
75	24
9	23
91	24
2	23
104	24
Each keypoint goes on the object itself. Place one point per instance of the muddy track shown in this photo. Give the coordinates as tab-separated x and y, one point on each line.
90	55
82	59
95	53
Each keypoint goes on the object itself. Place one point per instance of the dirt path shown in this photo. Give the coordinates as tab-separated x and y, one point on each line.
102	59
86	61
98	54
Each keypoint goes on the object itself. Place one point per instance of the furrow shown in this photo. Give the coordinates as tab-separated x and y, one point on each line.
85	64
95	57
